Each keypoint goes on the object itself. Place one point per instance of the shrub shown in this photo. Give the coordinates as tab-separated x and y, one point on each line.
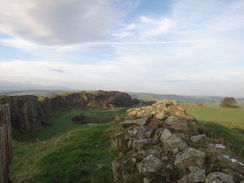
229	102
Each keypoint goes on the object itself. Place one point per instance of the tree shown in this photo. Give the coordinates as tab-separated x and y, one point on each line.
229	102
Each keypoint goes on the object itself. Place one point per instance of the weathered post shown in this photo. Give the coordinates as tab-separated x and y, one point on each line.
5	143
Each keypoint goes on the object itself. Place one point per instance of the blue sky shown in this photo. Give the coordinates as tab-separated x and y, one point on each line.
184	47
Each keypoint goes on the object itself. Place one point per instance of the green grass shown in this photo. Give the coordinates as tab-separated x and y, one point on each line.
216	104
65	151
232	118
231	138
215	118
61	122
82	155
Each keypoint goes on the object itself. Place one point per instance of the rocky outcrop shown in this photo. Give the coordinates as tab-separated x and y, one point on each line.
5	143
161	143
29	114
102	99
26	113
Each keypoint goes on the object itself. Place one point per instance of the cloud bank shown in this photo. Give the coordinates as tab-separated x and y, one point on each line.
194	48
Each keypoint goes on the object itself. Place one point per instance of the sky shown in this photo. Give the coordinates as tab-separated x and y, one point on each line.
183	47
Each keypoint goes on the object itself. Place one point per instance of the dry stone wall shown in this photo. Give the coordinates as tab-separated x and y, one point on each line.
5	143
161	143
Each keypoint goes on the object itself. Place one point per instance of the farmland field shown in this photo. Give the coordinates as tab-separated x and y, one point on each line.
232	118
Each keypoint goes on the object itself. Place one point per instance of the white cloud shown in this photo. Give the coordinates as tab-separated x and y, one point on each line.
132	75
159	27
20	44
195	49
57	22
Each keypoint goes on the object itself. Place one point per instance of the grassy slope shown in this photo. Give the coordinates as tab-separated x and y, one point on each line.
215	118
65	152
61	122
231	138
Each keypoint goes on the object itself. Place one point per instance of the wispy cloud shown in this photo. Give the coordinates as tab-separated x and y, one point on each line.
156	27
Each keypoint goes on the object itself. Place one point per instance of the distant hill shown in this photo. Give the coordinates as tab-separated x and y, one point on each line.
38	93
147	96
180	98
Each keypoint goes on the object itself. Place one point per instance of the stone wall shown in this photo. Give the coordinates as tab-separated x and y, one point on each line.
26	112
5	143
161	143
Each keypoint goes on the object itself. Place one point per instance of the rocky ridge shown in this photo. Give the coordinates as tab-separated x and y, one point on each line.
26	113
102	99
5	143
161	143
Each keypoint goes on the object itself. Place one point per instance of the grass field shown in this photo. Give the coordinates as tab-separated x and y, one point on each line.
82	155
61	122
66	152
216	104
219	122
232	118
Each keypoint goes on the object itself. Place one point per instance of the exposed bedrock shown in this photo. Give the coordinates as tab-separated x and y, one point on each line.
26	112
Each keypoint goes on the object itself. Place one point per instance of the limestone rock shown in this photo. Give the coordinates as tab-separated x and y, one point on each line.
218	148
190	157
196	175
199	138
140	122
219	177
229	162
184	179
161	115
171	142
146	180
174	142
141	143
150	165
147	152
176	123
165	135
